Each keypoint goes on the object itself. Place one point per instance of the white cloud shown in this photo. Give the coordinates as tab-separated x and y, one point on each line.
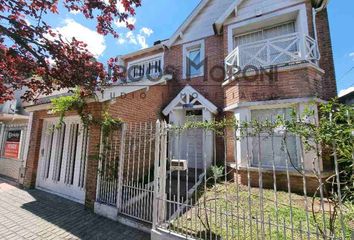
131	38
139	39
74	12
142	41
121	40
351	55
130	20
346	91
95	42
146	31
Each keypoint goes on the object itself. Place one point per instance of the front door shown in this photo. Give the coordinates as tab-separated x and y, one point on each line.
63	154
189	143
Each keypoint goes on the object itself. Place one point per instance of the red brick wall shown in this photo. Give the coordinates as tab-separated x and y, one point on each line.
329	89
207	85
136	107
281	178
326	62
140	106
296	83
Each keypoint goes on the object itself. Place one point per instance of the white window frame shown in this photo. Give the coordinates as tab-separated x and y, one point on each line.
187	48
298	141
145	59
300	22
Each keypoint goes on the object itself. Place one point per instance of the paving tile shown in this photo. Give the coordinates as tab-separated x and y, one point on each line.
35	214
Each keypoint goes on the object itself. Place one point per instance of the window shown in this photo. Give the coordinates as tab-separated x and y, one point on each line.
269	150
142	68
193	59
266	33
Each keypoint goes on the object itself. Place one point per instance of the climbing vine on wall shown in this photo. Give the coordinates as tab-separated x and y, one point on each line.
76	102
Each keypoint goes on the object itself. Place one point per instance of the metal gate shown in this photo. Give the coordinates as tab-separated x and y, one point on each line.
127	169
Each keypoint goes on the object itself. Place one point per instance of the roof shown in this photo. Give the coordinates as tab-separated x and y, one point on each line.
188	90
347	97
142	51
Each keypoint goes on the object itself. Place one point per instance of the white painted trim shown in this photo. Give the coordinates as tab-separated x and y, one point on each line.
28	139
68	197
116	91
189	90
271	103
301	16
146	59
189	47
186	23
142	51
233	8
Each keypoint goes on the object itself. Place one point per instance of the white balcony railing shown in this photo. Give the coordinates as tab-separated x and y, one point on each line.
280	50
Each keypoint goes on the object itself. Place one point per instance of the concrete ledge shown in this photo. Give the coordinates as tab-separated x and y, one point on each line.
111	212
106	211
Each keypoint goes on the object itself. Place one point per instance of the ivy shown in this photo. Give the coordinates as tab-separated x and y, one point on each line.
62	105
77	102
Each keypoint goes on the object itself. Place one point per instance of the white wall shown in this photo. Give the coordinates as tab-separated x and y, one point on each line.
252	8
202	25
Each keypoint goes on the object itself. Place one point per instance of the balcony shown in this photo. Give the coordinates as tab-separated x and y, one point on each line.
282	50
144	69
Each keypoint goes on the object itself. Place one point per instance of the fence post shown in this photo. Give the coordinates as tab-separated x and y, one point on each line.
156	177
121	168
99	174
2	128
162	173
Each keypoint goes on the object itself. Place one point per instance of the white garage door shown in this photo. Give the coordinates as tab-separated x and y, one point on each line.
63	159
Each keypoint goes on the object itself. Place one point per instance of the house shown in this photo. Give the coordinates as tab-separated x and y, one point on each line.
277	55
347	98
14	138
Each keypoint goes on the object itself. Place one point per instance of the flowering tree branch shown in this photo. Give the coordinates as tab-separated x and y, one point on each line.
37	58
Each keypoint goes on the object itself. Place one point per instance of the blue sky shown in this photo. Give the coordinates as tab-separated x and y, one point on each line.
159	19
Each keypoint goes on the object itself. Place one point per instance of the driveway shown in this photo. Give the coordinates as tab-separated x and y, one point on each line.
35	214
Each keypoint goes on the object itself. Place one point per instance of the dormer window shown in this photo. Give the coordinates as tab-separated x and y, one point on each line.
193	59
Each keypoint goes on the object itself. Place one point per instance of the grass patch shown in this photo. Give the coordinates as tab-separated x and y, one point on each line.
234	212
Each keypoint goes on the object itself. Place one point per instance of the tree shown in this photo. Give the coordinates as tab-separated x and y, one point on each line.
27	51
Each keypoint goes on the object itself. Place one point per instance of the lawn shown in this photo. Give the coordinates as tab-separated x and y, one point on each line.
233	212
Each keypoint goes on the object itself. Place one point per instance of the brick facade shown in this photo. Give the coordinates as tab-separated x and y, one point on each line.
296	81
296	180
140	106
302	81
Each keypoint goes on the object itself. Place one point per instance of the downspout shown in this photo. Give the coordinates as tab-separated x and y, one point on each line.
318	6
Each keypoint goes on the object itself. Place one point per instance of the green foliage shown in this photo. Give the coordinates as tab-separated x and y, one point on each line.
334	134
215	173
76	102
64	104
331	136
109	124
